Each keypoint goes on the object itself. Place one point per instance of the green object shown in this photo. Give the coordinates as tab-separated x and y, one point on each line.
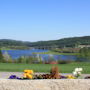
63	68
1	56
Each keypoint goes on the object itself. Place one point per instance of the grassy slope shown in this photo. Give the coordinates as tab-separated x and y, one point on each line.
64	68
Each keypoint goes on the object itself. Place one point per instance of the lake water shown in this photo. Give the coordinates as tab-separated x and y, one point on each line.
17	53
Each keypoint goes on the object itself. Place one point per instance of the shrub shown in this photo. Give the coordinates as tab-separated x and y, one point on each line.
84	54
64	61
28	59
1	57
53	62
7	58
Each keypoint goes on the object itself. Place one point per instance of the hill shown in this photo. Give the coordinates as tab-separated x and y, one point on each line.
65	42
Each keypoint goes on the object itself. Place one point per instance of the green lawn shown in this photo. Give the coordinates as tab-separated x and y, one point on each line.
63	68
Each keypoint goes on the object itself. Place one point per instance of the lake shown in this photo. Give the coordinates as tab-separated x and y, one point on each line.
17	53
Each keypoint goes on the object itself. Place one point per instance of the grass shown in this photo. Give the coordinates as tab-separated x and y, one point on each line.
63	68
56	53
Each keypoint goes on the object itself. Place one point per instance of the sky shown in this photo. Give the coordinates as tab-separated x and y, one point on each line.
39	20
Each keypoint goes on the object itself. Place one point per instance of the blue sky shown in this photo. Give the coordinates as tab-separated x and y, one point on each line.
35	20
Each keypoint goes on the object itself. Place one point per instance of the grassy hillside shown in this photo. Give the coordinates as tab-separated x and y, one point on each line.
65	42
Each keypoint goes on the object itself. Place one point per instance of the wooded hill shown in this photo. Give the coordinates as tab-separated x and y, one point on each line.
65	42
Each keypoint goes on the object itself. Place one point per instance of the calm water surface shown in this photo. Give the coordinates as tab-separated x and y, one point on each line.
17	53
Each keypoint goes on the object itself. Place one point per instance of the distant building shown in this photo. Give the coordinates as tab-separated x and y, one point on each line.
82	46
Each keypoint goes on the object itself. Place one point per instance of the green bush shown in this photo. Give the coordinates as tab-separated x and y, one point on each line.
1	57
64	61
84	54
29	59
7	58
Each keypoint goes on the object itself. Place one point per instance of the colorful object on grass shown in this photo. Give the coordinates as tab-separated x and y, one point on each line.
77	72
63	77
87	77
54	74
14	77
70	77
28	71
28	74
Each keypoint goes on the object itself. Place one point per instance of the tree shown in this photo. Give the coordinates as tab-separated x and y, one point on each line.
77	44
1	56
39	58
7	57
84	54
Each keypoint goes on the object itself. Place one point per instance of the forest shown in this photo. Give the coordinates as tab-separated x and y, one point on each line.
64	42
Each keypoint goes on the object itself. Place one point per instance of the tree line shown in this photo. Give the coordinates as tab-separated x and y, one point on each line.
61	43
84	54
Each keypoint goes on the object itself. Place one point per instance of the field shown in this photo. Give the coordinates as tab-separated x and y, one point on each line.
63	68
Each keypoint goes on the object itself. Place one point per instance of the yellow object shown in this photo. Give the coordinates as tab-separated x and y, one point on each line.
70	77
25	71
28	74
28	71
24	75
31	71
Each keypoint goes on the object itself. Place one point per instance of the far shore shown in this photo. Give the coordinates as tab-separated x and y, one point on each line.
56	53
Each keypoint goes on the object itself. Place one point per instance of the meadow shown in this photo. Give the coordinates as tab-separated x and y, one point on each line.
63	68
